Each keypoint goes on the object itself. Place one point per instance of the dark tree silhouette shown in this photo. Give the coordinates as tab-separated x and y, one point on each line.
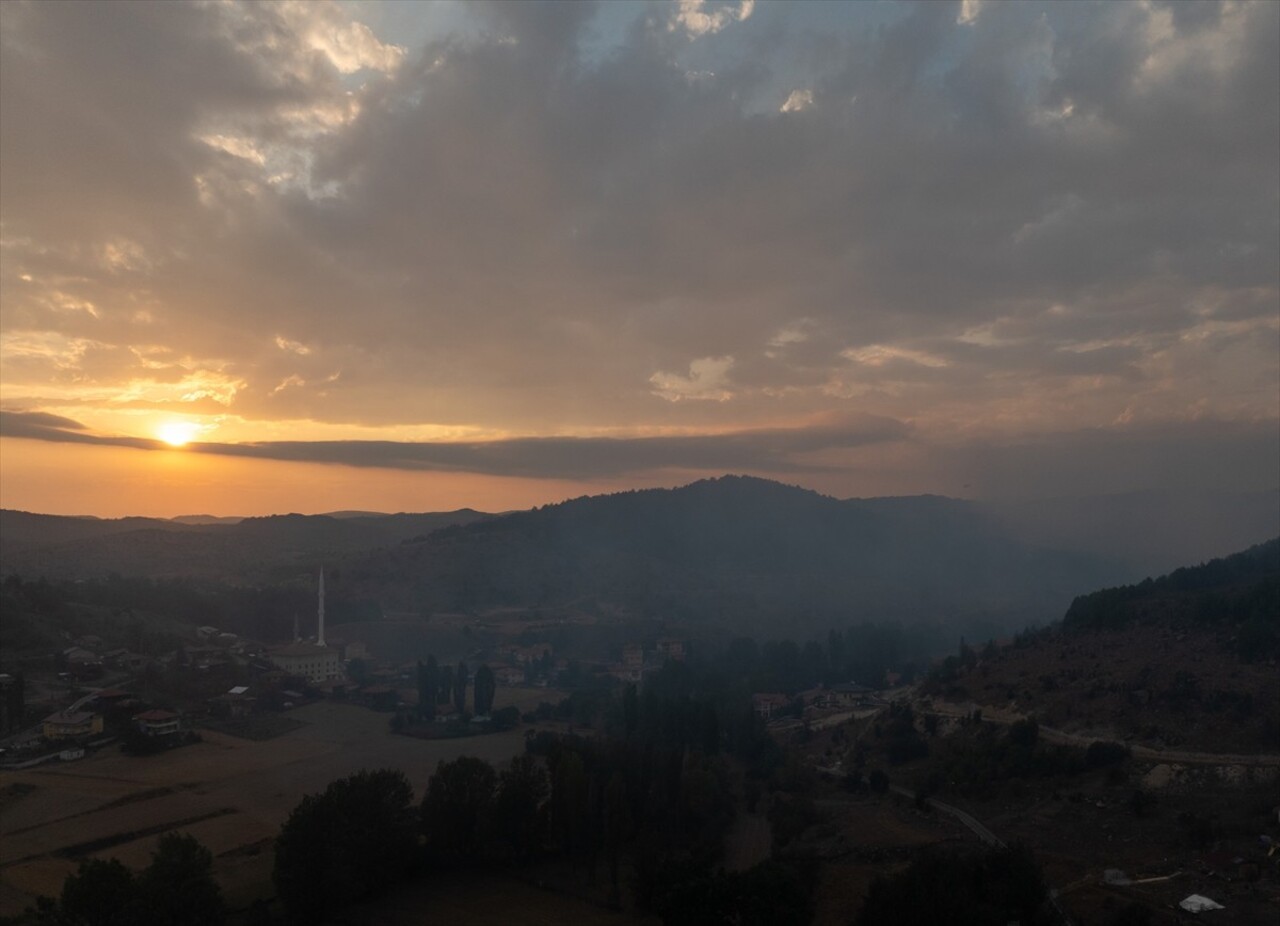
456	809
518	819
460	687
177	887
428	688
100	893
445	695
486	686
357	837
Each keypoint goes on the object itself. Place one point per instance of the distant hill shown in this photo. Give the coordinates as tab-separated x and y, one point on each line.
250	549
1189	659
742	553
22	528
1152	532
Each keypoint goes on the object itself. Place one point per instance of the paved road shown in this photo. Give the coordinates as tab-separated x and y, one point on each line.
972	822
984	834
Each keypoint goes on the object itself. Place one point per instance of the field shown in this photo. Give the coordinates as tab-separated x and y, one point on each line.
230	793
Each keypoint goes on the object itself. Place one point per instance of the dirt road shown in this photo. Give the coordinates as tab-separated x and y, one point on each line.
1061	737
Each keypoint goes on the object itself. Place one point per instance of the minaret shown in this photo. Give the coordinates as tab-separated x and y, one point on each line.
320	637
296	636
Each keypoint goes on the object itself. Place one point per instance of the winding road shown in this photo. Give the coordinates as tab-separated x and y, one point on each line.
1062	738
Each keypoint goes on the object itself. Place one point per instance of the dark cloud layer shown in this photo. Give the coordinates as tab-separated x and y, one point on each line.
778	450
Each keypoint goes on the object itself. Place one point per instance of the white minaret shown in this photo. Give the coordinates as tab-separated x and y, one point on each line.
320	638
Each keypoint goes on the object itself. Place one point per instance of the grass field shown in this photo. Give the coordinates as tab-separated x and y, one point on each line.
54	807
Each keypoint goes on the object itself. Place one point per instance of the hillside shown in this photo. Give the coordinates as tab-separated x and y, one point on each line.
256	549
746	554
1186	660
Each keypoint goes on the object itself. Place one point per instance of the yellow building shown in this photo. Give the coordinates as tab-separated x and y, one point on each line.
68	725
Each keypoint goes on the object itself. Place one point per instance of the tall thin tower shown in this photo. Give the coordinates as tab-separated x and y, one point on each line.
320	637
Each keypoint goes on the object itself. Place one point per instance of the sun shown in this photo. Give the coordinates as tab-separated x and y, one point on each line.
177	433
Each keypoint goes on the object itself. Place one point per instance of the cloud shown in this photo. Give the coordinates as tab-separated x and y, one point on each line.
1041	218
776	450
797	101
692	16
707	380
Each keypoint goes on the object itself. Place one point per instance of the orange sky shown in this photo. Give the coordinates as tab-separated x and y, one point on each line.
117	482
424	256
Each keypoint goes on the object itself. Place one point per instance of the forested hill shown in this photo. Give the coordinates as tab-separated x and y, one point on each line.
746	553
254	549
1242	589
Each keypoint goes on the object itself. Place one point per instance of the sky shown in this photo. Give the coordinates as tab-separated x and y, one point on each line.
267	257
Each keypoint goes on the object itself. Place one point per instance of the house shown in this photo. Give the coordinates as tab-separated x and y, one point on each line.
626	674
633	657
110	697
70	724
123	659
670	648
768	704
237	702
525	654
158	723
851	693
509	676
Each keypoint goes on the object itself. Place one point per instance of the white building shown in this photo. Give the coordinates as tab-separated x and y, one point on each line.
315	662
308	660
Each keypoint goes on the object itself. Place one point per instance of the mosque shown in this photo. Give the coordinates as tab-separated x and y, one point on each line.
315	662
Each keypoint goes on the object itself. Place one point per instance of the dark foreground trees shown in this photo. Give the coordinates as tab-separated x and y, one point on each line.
356	838
969	888
176	889
457	809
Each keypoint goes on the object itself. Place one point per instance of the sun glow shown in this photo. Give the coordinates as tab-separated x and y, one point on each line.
177	433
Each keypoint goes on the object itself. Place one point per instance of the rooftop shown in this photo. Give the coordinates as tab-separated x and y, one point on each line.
68	717
300	649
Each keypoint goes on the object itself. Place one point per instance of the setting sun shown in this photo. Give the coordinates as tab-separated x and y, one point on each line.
177	433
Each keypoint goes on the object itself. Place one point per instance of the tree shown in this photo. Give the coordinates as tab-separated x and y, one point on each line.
961	888
456	809
357	837
569	791
617	825
100	893
485	689
630	710
445	693
1024	733
460	687
177	888
428	688
518	818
